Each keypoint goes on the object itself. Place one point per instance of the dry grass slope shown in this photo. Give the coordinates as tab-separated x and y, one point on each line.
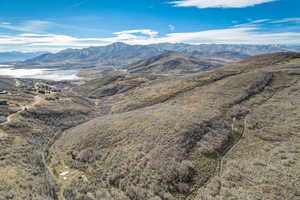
229	133
168	143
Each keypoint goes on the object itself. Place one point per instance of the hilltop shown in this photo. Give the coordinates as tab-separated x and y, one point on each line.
172	63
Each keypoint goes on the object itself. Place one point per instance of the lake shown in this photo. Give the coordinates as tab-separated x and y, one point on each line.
47	74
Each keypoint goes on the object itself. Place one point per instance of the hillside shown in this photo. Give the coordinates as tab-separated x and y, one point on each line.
193	138
112	85
211	135
172	63
270	59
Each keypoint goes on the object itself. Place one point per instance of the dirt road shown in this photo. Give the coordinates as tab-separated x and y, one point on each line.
36	100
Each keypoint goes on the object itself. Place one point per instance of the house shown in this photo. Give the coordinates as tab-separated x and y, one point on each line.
50	99
3	103
3	92
54	90
42	91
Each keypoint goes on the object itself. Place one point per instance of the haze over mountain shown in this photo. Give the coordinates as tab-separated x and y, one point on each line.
234	51
18	56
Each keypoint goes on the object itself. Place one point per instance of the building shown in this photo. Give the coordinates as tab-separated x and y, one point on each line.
43	88
3	103
3	92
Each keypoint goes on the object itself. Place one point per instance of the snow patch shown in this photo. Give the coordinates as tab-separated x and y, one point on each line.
64	173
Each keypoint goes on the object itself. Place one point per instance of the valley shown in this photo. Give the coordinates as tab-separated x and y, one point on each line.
158	131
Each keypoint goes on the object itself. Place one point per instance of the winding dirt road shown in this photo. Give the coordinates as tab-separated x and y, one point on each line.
36	100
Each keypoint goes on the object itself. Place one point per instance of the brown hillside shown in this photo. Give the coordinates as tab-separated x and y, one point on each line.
271	59
228	133
179	134
172	63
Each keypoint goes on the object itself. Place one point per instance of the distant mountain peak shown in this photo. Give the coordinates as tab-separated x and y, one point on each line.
119	44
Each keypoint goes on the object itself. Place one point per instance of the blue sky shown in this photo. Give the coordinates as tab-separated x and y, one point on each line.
52	25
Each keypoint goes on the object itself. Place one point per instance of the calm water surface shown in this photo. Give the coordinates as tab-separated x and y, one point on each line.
48	74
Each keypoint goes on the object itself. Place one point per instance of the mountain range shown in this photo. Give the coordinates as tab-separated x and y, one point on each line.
116	54
121	54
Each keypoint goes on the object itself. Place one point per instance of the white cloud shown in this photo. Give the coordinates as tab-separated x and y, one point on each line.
251	33
79	3
253	23
241	35
4	23
260	21
27	26
219	3
172	27
288	20
146	32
